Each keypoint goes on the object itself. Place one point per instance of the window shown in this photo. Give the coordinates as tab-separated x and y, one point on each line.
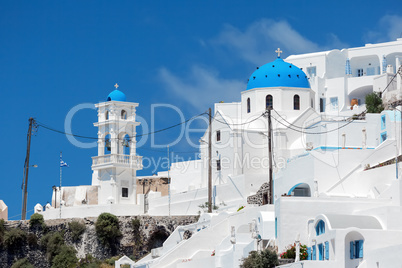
107	115
126	144
218	135
320	252
314	254
371	71
322	105
269	104
334	103
309	253
218	164
124	192
383	136
326	250
311	71
356	249
383	122
123	114
248	106
108	145
320	228
360	72
296	102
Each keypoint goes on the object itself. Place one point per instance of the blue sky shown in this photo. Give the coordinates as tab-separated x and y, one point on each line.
55	55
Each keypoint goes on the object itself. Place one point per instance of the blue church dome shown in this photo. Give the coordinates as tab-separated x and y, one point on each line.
278	74
116	95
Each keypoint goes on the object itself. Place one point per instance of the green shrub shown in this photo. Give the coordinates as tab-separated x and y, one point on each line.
107	230
374	103
112	260
15	239
2	226
36	220
2	232
76	229
32	240
22	263
264	259
89	262
290	252
66	258
52	243
45	239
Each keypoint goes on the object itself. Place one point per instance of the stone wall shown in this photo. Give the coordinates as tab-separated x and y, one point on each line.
152	233
258	198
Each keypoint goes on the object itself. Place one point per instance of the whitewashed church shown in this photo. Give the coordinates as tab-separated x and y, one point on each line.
336	186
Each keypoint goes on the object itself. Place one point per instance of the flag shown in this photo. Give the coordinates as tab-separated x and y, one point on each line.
62	163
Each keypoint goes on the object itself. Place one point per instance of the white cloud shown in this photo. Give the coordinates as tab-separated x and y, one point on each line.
389	29
258	42
202	87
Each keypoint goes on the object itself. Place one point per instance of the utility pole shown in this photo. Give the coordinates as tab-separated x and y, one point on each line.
271	190
210	162
26	167
168	155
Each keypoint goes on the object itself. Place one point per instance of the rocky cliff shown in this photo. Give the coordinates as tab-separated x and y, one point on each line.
136	242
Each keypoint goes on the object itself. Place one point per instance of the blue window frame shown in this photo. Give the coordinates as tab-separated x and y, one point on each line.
320	252
383	122
352	250
326	250
356	249
309	253
314	253
334	103
383	136
320	228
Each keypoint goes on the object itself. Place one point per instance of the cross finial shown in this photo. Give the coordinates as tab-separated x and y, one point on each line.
116	86
279	51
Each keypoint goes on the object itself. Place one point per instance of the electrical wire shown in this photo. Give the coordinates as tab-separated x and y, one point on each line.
40	124
248	122
314	133
398	72
334	121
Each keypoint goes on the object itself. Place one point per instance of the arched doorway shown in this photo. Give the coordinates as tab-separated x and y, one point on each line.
300	189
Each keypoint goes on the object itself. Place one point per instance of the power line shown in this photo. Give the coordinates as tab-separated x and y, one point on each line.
314	133
398	72
95	138
248	122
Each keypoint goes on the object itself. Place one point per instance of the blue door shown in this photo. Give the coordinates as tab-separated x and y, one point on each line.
326	250
320	252
314	254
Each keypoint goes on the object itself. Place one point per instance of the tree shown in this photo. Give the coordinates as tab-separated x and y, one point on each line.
14	239
374	103
22	263
66	258
264	259
37	220
107	230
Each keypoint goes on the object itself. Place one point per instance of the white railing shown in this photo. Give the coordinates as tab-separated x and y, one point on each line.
128	160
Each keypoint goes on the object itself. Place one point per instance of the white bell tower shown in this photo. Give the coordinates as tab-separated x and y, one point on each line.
115	167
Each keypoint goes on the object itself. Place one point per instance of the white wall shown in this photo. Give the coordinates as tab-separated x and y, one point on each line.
93	211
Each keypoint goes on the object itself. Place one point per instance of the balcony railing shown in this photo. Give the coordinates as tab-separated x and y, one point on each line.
134	161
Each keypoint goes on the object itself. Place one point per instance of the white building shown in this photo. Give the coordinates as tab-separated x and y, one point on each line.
335	187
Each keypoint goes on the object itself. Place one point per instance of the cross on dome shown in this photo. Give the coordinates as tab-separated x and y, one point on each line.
279	51
116	86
